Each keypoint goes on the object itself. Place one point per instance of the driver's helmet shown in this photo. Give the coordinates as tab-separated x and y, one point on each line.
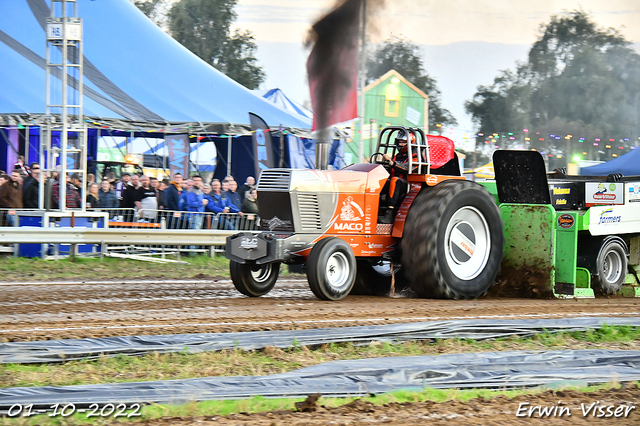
401	137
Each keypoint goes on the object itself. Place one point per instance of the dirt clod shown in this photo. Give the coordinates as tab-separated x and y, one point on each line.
308	405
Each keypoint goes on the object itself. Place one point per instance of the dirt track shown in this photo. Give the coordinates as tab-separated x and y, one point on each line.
98	309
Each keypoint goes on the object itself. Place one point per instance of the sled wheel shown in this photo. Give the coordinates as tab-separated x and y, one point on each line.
375	280
452	241
611	266
331	269
254	280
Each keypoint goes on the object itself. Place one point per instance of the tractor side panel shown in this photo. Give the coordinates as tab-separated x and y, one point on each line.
370	246
361	245
349	216
375	183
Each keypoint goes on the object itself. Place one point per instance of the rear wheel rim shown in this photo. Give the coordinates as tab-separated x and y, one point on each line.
261	273
337	270
612	266
468	243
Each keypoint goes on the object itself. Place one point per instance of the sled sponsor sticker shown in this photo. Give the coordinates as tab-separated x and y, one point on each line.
566	221
633	192
609	216
608	220
604	193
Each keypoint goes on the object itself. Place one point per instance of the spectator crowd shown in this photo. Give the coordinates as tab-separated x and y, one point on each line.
137	197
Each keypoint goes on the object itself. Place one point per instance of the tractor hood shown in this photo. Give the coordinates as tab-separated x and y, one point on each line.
315	201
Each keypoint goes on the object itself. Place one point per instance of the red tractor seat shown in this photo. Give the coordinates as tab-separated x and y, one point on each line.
441	150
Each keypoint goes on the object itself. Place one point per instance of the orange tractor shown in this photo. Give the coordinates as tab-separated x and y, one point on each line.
408	215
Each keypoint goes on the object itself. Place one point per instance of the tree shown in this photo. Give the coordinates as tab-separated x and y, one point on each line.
579	80
153	9
203	27
238	60
404	57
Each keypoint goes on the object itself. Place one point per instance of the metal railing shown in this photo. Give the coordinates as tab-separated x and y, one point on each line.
126	230
33	235
170	219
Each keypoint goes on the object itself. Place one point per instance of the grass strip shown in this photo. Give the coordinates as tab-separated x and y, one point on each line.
237	362
258	404
24	269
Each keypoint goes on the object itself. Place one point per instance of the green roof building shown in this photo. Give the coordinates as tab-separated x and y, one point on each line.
390	100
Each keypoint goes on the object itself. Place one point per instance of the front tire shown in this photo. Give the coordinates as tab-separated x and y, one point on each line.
331	269
254	280
452	241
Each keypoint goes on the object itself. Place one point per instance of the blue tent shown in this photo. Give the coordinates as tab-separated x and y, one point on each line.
287	104
628	165
138	83
133	71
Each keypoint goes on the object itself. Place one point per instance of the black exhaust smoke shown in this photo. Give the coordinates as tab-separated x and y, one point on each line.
332	68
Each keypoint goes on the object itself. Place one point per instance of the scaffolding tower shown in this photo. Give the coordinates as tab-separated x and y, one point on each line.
66	155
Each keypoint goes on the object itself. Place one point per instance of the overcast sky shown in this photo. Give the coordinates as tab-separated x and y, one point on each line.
448	30
440	21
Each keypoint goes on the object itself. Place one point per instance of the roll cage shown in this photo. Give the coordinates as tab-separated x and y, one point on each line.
386	145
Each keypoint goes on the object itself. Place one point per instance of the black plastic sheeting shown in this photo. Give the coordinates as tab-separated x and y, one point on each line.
75	349
357	378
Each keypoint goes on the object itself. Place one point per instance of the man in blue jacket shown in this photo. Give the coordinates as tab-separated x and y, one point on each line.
221	205
196	202
235	203
233	196
219	202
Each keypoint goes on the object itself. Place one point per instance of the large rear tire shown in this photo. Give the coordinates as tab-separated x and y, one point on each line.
452	241
611	266
254	280
331	269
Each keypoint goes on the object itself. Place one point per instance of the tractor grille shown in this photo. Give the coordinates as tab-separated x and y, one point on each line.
309	212
274	180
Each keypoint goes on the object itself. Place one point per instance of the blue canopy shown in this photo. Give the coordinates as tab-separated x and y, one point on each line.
628	165
287	104
133	71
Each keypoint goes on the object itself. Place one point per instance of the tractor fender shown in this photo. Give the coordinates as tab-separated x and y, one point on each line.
401	216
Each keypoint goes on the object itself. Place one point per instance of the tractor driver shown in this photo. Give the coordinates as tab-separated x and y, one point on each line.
400	162
396	187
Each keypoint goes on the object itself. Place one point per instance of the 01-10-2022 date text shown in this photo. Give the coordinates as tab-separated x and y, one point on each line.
66	410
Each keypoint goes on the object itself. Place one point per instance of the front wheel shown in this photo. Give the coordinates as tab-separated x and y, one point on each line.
611	266
254	280
331	269
452	241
